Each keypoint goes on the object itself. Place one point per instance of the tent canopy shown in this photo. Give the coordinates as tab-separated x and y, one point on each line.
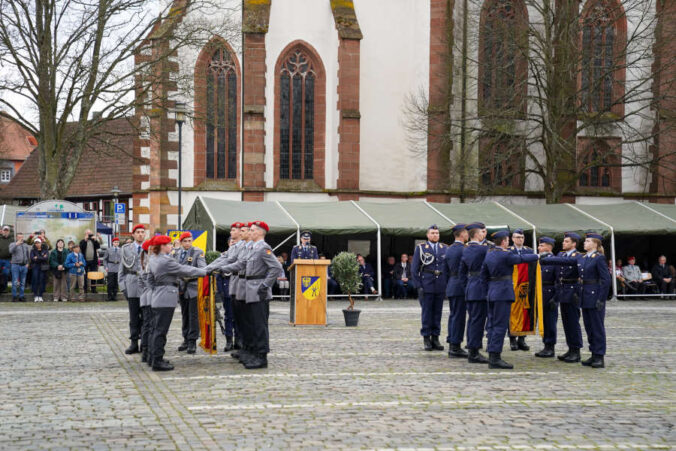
631	218
490	213
330	218
404	218
555	220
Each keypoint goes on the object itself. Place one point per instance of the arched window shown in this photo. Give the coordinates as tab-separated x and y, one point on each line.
603	40
595	166
217	106
503	63
300	106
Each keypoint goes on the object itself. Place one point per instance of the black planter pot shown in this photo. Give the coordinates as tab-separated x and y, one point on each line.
351	317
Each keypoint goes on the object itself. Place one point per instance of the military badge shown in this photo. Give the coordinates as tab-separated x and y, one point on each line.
310	287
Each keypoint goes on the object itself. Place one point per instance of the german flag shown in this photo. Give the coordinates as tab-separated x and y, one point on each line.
526	314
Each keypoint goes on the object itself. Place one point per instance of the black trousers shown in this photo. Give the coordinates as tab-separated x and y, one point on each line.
189	320
161	321
242	321
112	286
259	313
147	326
135	318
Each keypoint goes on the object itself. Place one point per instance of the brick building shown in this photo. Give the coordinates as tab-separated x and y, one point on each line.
316	111
16	144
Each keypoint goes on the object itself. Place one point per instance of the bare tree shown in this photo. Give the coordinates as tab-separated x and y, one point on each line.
70	66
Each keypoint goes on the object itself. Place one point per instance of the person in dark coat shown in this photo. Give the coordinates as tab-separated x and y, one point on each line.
550	307
388	277
403	286
662	275
455	291
39	265
89	247
368	276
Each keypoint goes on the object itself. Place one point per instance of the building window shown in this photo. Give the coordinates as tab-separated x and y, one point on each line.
501	162
503	63
603	25
596	166
5	175
221	116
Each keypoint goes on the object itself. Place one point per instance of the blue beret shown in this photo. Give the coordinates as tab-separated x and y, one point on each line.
594	235
547	240
433	227
572	235
306	234
518	231
458	227
500	234
475	225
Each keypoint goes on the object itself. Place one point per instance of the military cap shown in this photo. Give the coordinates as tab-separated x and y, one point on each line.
184	235
594	235
236	225
262	225
244	224
116	239
433	227
138	226
572	235
458	227
547	240
475	225
159	240
518	232
500	234
249	224
146	244
306	234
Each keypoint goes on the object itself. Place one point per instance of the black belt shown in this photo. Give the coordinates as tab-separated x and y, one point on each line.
453	274
570	280
590	282
500	279
255	277
547	283
474	273
234	274
166	284
436	272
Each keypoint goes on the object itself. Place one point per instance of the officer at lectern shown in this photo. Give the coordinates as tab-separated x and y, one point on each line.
304	250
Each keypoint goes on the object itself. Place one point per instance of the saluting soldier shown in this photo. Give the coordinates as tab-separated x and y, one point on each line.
568	291
111	262
304	250
497	272
129	283
455	291
518	248
166	272
473	256
262	270
188	254
550	312
145	285
429	274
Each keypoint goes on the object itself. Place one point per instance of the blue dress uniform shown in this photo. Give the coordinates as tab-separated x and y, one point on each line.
473	256
304	251
568	291
519	342
429	275
550	313
455	291
497	272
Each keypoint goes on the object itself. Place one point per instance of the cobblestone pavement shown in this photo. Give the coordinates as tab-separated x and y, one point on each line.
65	382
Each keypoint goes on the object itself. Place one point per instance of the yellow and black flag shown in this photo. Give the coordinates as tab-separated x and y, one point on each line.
526	314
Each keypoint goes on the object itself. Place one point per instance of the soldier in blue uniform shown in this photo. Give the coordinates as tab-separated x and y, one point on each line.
550	313
497	272
568	296
456	293
304	250
475	290
518	248
428	272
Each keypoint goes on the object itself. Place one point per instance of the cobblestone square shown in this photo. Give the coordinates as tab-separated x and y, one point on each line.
66	383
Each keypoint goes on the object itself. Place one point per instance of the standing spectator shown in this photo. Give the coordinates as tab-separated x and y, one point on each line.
633	280
71	243
39	234
89	247
40	266
5	257
76	265
402	276
111	261
662	276
367	275
20	258
57	262
388	277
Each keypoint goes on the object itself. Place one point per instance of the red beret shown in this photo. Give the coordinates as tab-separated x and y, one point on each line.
161	239
184	235
249	224
138	226
262	225
116	239
236	225
146	244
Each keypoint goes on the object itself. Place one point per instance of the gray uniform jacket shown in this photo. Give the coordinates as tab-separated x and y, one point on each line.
130	270
193	257
228	257
146	284
165	273
111	260
21	253
261	267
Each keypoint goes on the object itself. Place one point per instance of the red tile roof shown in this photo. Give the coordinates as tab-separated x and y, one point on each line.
107	161
16	143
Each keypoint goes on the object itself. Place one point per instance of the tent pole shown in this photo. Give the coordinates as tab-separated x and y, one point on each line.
280	244
613	278
649	208
535	237
379	252
294	221
440	213
211	218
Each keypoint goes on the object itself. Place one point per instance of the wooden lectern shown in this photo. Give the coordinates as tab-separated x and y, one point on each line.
308	289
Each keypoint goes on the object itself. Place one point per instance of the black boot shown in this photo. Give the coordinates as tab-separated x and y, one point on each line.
144	353
512	344
257	361
456	351
162	365
565	355
475	356
589	361
547	352
521	343
133	348
245	357
573	356
235	355
228	344
184	346
495	362
598	361
192	347
427	341
238	343
435	343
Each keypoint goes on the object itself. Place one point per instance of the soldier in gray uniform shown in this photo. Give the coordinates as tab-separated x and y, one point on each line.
262	270
129	283
111	261
146	287
165	272
187	254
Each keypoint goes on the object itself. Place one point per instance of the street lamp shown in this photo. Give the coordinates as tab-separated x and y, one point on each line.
180	119
116	194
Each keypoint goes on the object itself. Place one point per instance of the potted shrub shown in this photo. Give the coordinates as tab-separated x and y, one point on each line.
345	270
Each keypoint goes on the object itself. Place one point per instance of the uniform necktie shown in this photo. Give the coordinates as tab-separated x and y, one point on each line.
182	255
138	249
